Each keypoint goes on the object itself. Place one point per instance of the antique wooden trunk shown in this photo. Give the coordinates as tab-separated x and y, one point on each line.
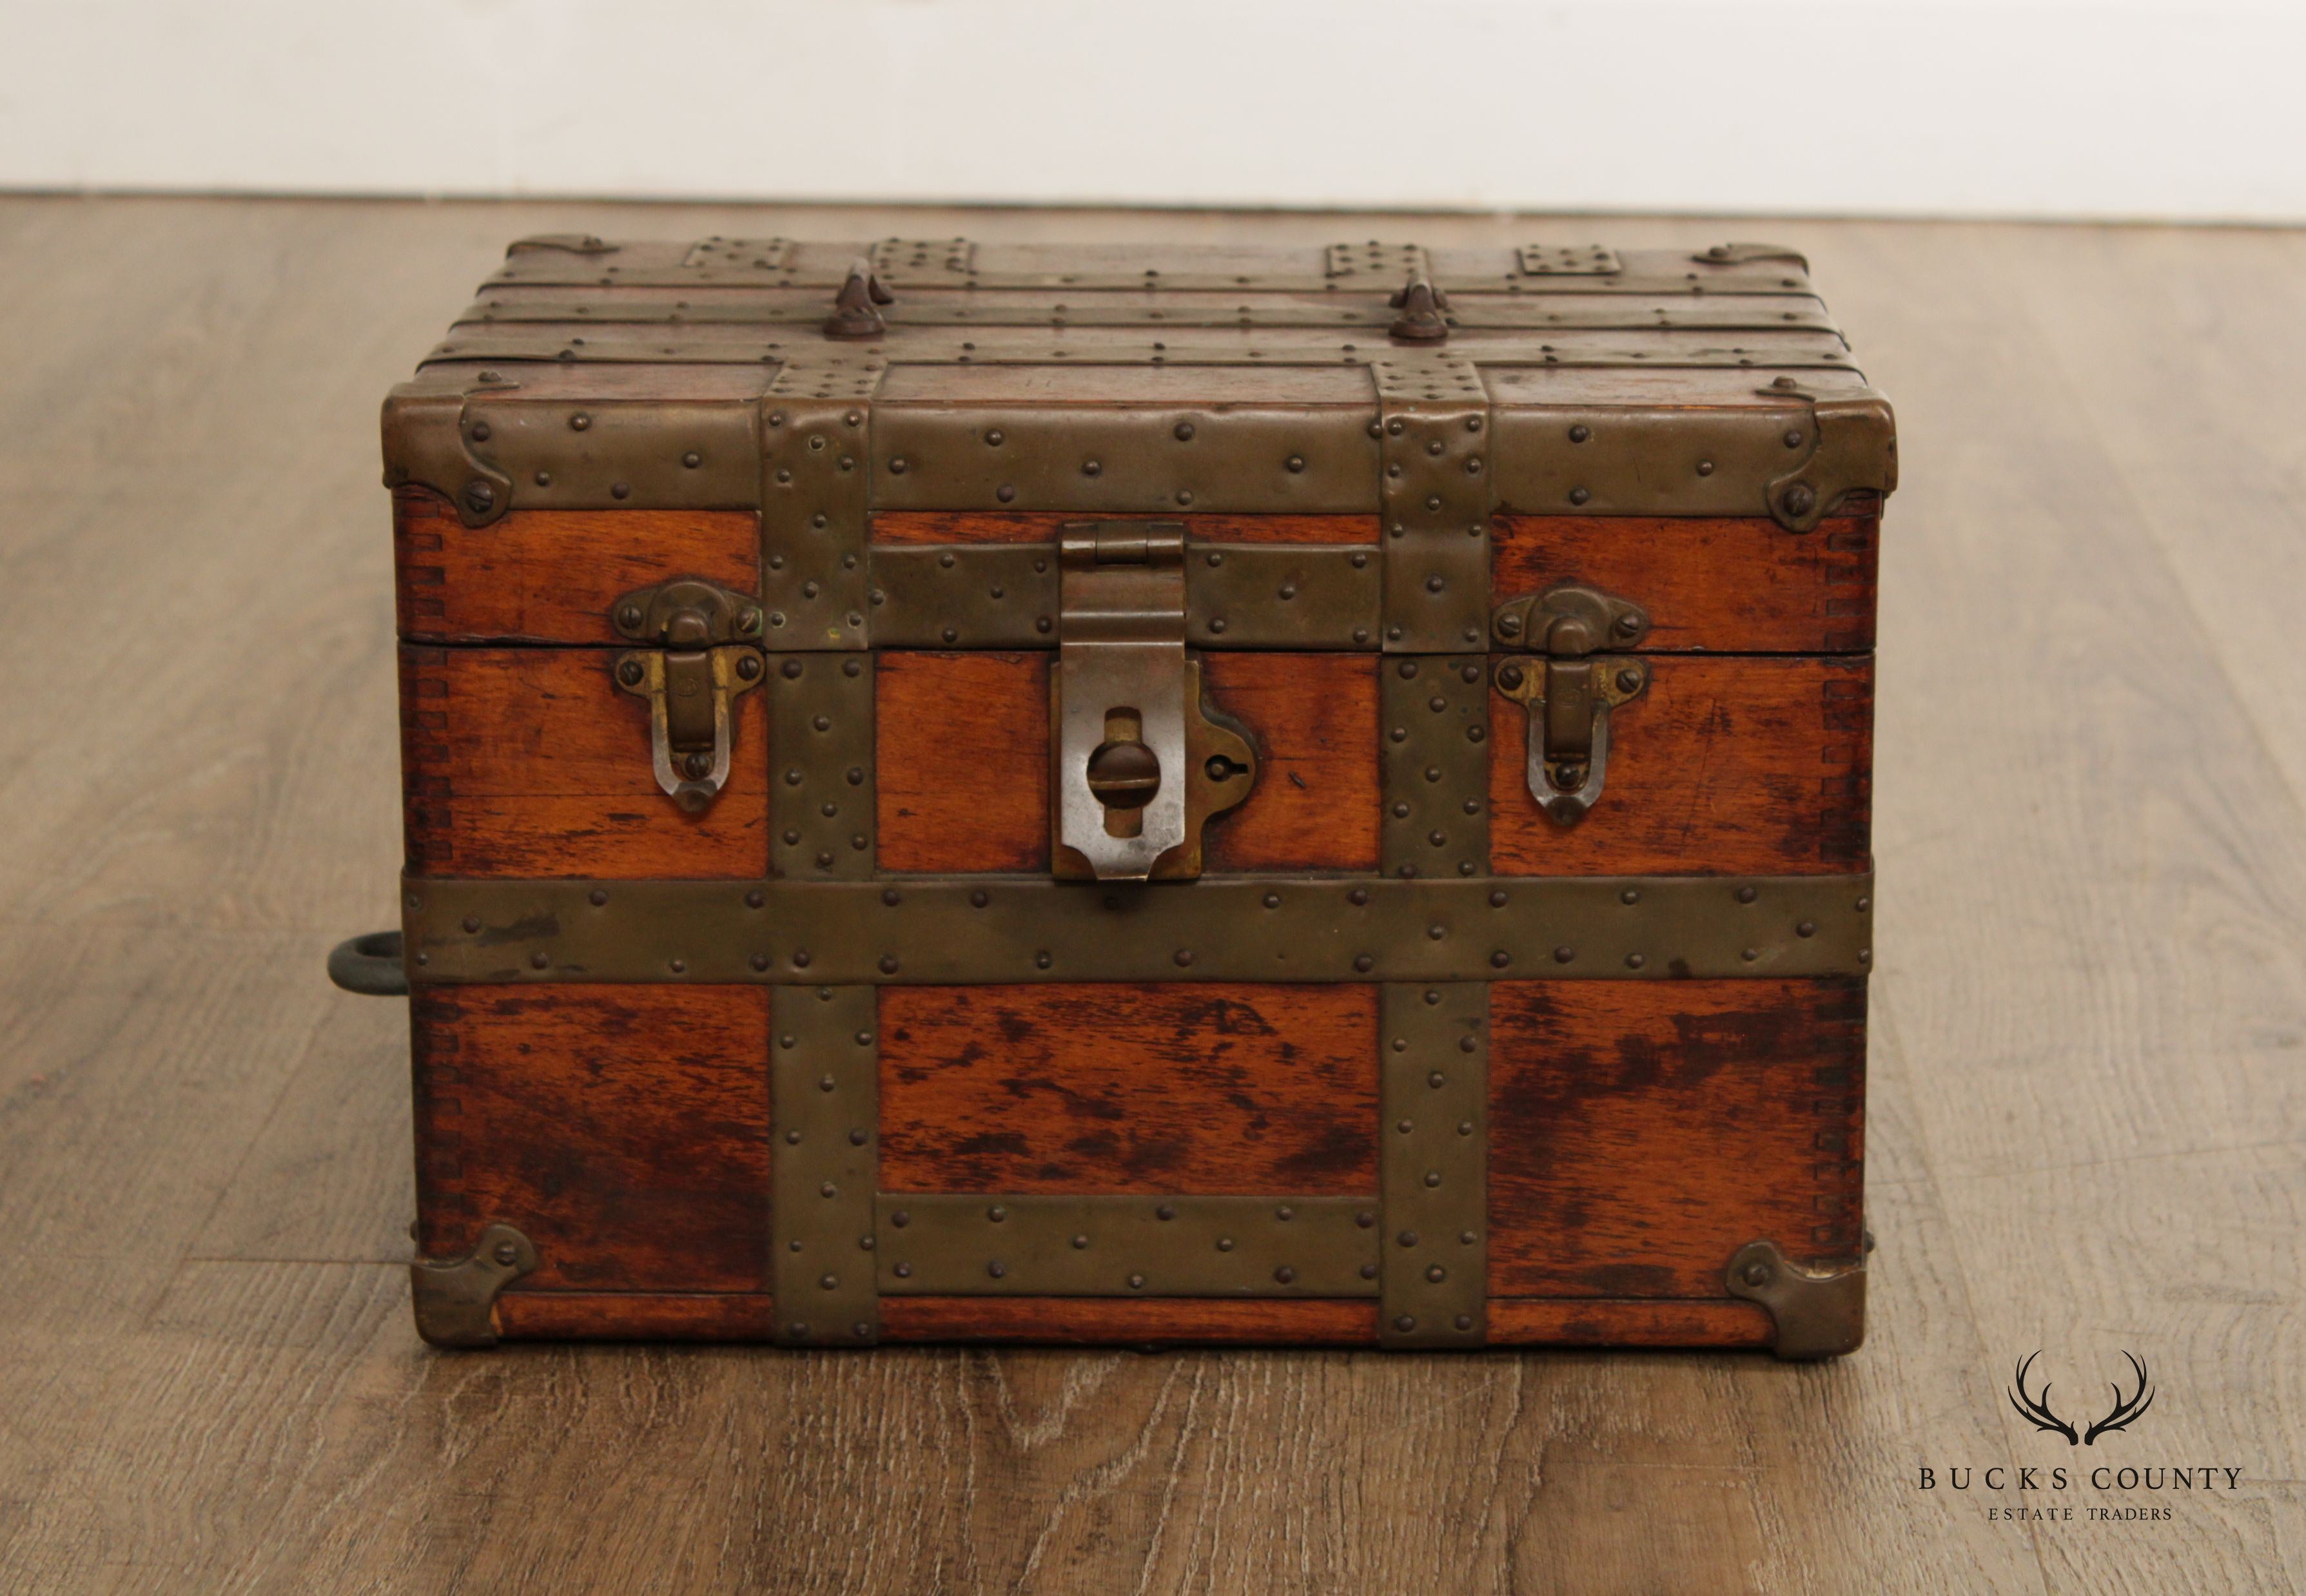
965	792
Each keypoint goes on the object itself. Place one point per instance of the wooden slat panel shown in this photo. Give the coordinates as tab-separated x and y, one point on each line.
1553	1321
963	760
624	1129
529	1315
529	762
551	575
1642	1132
1728	586
1314	717
1728	766
1044	526
1216	1088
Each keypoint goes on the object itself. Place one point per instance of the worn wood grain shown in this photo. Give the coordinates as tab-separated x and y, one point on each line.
961	761
624	1129
1641	1132
1314	717
1725	766
1217	1087
531	761
552	575
2085	1102
1726	585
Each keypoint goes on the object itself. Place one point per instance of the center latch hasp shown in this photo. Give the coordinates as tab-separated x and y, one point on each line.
1138	762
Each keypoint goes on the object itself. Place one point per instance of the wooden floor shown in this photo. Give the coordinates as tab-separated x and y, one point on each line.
2089	1064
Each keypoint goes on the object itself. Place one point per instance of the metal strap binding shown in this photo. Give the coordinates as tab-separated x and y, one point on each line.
1434	488
991	1244
821	791
817	457
1017	929
1433	1074
825	1091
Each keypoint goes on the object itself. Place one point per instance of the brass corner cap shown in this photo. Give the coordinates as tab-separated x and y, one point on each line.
1819	1312
454	1299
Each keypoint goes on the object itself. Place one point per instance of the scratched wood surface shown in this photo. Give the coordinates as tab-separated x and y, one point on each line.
530	762
2088	1023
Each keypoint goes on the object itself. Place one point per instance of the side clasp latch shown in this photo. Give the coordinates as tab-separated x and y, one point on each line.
703	653
1568	692
1139	761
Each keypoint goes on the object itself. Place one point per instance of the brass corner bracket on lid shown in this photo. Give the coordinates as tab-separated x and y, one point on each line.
455	1298
1853	449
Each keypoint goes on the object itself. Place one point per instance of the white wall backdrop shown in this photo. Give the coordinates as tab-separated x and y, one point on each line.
2192	109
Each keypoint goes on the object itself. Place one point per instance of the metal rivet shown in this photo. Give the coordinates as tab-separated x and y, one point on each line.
1747	894
1165	1212
1806	928
1564	954
1579	495
1184	956
1580	432
541	960
1136	1282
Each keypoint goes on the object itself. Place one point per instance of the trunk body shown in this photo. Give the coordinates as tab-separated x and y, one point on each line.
958	793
